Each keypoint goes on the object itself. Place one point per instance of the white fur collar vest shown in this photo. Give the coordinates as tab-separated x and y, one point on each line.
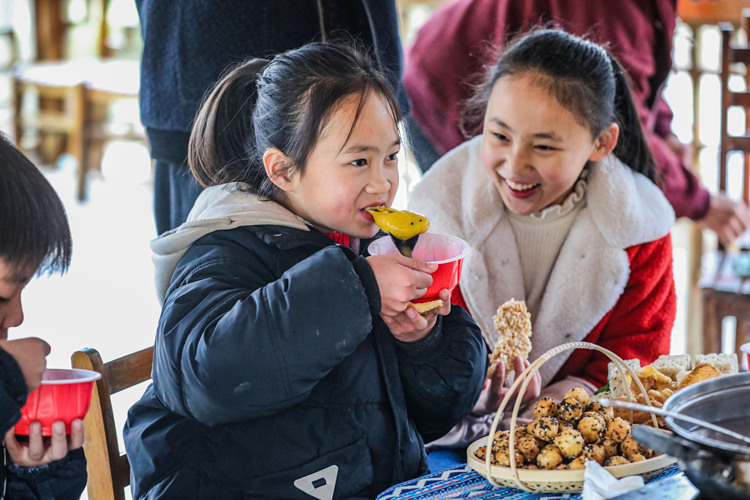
622	209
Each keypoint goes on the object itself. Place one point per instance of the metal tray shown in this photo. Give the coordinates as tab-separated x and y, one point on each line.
722	401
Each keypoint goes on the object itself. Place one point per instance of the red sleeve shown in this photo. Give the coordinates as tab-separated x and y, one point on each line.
639	326
678	182
457	299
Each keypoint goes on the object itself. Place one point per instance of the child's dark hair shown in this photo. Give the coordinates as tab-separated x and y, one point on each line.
584	78
34	231
285	104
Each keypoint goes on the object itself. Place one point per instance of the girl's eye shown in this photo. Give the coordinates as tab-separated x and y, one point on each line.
544	147
392	156
359	163
500	136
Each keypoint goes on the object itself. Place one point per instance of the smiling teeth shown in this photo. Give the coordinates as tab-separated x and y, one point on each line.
520	187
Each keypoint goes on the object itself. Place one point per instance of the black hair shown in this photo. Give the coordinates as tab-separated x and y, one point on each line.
284	104
34	230
584	78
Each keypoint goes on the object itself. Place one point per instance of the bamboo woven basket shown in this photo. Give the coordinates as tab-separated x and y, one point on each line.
556	481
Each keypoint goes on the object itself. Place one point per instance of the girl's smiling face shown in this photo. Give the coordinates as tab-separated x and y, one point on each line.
348	170
534	149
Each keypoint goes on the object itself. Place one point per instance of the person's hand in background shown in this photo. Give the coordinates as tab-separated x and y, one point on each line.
727	218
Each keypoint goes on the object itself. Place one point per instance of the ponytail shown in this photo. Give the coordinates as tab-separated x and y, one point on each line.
222	143
632	148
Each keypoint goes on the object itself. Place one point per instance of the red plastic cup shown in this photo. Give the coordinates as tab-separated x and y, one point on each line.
65	394
446	251
746	349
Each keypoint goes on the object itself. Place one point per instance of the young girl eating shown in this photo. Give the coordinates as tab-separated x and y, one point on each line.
558	200
286	363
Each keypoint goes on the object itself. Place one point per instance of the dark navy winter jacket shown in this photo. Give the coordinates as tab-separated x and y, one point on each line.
273	372
187	44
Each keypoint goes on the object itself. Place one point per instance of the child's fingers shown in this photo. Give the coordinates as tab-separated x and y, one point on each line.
445	296
11	443
519	365
75	440
59	441
36	442
417	265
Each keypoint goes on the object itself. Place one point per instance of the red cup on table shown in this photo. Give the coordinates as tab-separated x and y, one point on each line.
746	349
65	394
446	251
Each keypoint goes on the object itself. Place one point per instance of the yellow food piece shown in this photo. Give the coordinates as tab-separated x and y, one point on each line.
423	307
703	371
402	224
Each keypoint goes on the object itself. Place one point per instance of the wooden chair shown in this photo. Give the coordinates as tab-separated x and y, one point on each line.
113	81
70	92
108	469
726	290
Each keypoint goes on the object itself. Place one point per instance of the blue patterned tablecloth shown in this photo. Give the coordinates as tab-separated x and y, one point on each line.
464	482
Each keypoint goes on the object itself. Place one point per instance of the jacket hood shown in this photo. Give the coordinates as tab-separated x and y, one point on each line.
217	208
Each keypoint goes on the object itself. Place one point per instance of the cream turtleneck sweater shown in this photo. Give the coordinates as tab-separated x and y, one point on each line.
540	236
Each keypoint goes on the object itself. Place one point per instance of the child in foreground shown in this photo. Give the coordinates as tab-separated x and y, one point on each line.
34	238
285	360
558	197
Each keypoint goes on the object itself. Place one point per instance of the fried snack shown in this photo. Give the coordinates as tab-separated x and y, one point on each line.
570	443
611	448
703	371
556	443
591	428
529	446
654	379
616	460
617	430
579	394
545	407
578	463
544	428
423	307
513	324
570	409
630	447
502	457
595	452
549	458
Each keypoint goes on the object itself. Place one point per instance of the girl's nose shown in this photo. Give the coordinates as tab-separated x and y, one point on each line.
11	314
379	181
517	162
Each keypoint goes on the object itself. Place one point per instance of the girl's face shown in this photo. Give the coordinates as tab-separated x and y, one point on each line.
11	286
534	149
344	176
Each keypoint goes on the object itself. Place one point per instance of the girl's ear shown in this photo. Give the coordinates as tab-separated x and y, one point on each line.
277	164
605	143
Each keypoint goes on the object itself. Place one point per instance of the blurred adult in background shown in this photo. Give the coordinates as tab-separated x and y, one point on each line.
452	48
187	44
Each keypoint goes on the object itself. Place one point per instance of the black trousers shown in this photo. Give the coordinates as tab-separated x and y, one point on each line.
175	191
